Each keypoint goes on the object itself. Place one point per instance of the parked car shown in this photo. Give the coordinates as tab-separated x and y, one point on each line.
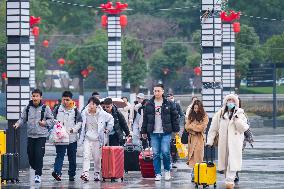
281	81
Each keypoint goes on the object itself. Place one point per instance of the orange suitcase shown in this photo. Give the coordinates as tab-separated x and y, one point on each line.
112	162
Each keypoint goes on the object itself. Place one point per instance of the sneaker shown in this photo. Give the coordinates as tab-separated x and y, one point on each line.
71	178
158	177
85	177
56	176
97	177
237	178
174	166
37	179
167	175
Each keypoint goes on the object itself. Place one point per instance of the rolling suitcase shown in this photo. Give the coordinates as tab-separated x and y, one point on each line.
205	173
10	167
146	163
2	143
112	162
131	157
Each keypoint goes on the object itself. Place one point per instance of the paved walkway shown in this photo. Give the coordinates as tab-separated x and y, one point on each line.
263	167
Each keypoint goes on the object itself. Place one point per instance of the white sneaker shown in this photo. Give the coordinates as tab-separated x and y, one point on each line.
167	175
97	177
37	179
158	177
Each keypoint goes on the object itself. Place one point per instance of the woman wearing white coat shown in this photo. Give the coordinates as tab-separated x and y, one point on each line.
96	123
231	123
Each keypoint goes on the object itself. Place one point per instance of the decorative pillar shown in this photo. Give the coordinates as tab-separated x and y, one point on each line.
211	61
113	23
32	61
18	73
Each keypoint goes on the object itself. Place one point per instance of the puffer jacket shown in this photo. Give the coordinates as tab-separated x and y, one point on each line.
170	118
105	121
67	119
34	130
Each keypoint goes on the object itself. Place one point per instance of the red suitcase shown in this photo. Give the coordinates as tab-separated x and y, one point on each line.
112	162
146	164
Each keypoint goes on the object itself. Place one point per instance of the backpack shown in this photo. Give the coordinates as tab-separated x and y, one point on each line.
41	112
76	113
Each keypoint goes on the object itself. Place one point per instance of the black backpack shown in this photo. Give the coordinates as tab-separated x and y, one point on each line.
41	112
76	113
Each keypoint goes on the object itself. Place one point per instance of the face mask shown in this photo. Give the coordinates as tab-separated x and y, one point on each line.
230	105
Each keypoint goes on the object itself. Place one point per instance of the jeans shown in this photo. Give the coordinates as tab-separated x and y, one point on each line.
71	153
160	143
36	150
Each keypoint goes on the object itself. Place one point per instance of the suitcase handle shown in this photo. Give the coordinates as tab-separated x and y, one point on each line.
206	155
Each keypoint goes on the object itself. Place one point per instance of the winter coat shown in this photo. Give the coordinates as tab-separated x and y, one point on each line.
67	119
127	114
169	115
105	121
196	140
120	124
34	130
231	136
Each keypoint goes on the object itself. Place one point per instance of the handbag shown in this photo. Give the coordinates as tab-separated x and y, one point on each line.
181	149
184	137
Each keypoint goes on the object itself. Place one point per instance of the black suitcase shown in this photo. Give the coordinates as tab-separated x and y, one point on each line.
131	157
10	167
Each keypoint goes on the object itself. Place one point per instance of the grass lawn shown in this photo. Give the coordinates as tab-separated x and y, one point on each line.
261	90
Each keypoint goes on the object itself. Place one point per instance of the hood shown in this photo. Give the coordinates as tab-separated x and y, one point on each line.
99	109
232	96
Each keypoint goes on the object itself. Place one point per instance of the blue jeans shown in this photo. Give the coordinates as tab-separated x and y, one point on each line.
161	145
71	153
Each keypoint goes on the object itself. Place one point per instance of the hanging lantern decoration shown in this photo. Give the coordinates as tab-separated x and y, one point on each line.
34	20
90	68
123	21
104	21
35	31
85	73
4	75
237	27
45	43
61	61
197	71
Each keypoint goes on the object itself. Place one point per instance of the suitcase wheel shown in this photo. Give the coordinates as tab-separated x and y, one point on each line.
122	179
112	180
215	186
196	185
104	179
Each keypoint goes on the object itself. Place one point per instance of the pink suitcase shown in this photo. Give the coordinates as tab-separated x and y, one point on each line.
146	164
112	162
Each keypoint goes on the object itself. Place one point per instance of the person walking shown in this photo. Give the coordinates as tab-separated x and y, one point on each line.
96	124
38	118
160	119
196	124
120	126
194	98
127	112
229	125
70	118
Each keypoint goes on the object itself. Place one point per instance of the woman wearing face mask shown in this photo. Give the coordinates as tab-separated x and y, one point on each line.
231	123
196	124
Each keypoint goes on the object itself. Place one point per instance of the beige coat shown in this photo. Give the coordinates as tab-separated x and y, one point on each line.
231	137
196	140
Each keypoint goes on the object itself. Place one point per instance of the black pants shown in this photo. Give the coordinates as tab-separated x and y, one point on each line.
36	150
114	140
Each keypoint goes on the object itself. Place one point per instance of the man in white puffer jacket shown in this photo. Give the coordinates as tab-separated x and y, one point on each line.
96	124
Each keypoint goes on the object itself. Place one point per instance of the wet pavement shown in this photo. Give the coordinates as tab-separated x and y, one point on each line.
263	167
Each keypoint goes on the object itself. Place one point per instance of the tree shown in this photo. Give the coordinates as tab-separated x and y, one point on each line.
134	68
40	70
166	61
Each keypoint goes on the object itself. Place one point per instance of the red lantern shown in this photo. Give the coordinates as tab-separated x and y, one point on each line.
45	43
35	31
123	21
85	73
197	71
34	20
104	21
61	61
4	75
237	27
